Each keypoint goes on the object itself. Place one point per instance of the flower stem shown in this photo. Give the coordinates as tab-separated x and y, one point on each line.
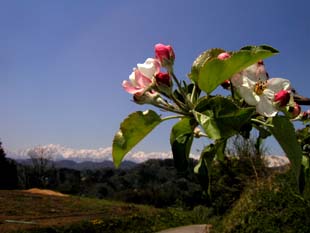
261	122
188	103
171	108
172	117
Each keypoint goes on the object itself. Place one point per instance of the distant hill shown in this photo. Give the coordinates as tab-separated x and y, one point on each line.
271	161
82	165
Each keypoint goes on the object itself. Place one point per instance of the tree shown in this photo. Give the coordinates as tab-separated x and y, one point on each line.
8	171
41	163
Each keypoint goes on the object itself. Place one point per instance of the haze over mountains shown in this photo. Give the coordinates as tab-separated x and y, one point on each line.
58	152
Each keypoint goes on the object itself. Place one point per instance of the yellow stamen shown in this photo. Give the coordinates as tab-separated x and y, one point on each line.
259	87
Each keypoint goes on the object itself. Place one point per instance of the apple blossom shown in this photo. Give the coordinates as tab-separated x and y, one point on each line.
223	56
304	116
262	93
163	79
294	110
165	54
137	84
226	84
143	77
254	72
282	97
149	68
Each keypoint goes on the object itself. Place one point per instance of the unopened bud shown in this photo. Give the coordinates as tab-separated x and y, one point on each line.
282	98
294	110
165	54
163	79
226	84
223	56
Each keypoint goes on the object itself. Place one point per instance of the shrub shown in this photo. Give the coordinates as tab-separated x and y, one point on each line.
272	206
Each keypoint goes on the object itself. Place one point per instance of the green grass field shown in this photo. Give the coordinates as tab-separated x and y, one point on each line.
22	211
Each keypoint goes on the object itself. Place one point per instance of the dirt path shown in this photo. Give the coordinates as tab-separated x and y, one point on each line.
204	228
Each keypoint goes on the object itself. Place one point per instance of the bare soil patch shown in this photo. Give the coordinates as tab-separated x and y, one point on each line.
45	192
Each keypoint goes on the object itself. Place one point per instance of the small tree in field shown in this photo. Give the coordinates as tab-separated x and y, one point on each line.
41	163
8	171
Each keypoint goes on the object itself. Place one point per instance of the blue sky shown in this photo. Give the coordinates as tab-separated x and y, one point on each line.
62	62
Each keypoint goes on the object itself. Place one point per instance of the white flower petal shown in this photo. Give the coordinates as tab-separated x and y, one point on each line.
256	72
237	80
132	78
278	84
148	68
265	107
248	95
269	93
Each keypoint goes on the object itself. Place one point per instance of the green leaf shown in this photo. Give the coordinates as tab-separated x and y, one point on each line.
132	130
204	166
304	178
284	131
220	117
181	139
209	72
201	61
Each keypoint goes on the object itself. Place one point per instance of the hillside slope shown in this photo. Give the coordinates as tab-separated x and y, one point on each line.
29	210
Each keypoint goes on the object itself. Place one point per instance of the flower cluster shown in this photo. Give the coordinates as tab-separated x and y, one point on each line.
256	89
254	103
149	84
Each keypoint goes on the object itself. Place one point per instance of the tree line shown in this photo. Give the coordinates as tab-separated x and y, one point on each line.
154	182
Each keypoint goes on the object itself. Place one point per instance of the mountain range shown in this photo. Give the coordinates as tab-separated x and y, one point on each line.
58	152
61	153
86	165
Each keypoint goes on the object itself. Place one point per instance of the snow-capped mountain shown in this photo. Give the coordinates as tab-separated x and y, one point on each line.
58	152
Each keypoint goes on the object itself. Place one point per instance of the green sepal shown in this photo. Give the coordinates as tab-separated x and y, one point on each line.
132	130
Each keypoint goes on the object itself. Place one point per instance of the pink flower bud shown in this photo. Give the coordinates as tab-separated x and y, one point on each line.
260	62
163	79
223	56
304	116
226	84
282	97
165	54
295	111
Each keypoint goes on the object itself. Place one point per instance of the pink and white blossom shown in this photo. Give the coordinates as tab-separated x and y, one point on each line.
142	78
255	87
262	93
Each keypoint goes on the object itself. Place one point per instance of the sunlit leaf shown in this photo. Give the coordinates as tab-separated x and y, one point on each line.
201	61
132	130
209	72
